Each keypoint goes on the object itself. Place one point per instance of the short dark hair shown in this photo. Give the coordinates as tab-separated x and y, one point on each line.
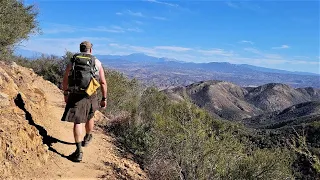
85	46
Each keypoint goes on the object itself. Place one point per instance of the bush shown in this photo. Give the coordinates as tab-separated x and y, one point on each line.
123	93
300	146
183	135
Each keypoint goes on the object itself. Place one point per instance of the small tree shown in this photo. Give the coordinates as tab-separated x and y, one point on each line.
17	22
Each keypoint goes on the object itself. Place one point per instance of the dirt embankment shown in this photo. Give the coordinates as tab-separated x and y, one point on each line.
34	143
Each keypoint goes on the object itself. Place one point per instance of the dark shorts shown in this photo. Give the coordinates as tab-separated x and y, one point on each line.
80	108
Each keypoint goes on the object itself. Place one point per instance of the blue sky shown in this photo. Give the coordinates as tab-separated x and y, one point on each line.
274	34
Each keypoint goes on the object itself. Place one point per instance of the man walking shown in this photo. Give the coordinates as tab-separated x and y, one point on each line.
82	70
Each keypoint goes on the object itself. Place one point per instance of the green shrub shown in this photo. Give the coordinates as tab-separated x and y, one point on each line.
184	135
181	141
299	145
123	93
263	164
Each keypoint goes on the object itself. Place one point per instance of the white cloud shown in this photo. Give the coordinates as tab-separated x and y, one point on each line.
54	28
62	28
249	5
135	30
116	45
282	47
160	18
155	51
172	48
252	50
306	62
58	46
272	56
147	50
232	5
138	14
138	22
59	30
263	54
131	13
112	29
216	51
245	41
302	57
164	3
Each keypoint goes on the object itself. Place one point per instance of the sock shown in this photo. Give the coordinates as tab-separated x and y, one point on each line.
87	135
78	144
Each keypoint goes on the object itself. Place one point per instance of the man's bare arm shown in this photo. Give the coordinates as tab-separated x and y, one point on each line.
103	82
65	78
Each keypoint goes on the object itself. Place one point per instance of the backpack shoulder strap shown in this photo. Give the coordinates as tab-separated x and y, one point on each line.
93	66
93	59
73	58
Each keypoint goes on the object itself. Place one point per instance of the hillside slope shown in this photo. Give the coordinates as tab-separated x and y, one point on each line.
34	142
293	115
232	102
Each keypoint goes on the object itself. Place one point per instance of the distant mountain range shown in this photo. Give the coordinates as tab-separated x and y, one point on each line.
166	72
216	66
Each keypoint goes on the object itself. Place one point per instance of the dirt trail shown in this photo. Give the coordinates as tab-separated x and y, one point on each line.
43	109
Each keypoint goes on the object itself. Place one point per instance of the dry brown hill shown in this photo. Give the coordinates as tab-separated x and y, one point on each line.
222	99
296	114
232	102
34	142
275	96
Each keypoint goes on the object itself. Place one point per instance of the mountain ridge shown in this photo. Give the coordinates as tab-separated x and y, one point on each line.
230	101
136	57
167	73
299	113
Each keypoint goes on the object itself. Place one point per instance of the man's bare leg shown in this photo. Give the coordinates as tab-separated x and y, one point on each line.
77	155
89	127
77	131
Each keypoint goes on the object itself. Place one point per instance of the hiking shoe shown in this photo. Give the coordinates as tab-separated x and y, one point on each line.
87	138
75	156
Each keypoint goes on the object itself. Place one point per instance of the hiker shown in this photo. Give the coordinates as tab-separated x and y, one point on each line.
83	75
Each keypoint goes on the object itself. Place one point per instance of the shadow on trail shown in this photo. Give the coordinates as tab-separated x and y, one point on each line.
46	139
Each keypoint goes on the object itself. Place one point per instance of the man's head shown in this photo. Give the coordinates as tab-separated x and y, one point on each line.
86	47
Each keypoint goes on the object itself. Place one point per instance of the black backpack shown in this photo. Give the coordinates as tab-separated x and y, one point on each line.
82	71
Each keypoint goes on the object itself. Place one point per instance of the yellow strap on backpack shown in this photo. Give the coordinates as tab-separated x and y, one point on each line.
93	86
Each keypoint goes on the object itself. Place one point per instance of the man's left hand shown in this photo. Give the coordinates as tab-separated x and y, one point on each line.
103	104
